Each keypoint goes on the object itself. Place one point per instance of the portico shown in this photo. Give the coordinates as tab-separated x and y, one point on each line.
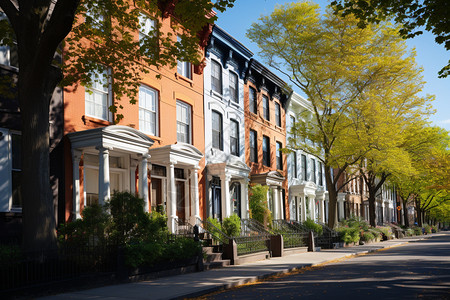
105	159
228	189
175	186
275	198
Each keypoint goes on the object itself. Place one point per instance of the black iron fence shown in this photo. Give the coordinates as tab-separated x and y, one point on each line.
37	268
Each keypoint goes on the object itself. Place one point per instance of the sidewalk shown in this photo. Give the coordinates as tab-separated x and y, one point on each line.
200	283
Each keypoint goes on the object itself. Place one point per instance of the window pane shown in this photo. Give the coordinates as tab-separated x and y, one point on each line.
217	130
266	151
279	156
234	138
278	114
252	100
253	147
148	110
266	111
183	122
216	77
234	88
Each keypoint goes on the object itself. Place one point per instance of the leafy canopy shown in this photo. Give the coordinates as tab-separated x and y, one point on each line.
414	15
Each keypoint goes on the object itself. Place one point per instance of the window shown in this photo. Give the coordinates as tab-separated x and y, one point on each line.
16	169
304	168
266	111
148	110
94	17
234	87
294	165
234	138
8	53
216	77
146	27
278	114
252	100
292	124
321	174
183	122
97	97
184	67
266	151
253	146
217	130
279	156
313	170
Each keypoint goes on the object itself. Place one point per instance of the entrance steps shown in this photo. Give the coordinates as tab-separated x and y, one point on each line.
212	258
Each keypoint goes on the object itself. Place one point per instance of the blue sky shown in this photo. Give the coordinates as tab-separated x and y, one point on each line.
430	55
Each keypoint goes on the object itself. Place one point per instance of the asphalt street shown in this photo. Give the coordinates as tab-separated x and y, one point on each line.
418	270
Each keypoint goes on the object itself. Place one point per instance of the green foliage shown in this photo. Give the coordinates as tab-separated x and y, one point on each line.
349	234
417	230
356	222
215	228
367	236
145	237
386	231
149	253
413	15
258	205
232	225
92	230
427	229
111	28
318	229
9	254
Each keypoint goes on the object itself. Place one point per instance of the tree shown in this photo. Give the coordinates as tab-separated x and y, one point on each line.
426	186
432	15
106	27
339	67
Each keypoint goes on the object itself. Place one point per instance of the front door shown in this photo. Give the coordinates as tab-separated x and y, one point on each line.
181	201
157	201
235	193
216	201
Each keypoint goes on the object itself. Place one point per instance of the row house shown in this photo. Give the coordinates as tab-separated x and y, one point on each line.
156	150
265	97
226	171
353	201
308	198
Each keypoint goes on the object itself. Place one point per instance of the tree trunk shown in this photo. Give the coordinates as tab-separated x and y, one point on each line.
35	91
332	199
419	214
405	213
372	214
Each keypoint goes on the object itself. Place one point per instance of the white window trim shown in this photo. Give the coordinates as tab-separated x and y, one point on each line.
156	112
108	97
180	102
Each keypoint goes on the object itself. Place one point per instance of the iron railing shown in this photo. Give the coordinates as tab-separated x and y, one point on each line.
184	228
65	263
254	237
217	235
293	236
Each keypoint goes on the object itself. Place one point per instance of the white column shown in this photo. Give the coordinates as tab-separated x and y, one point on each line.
76	157
195	201
172	198
312	207
341	199
303	208
276	204
133	165
143	180
104	192
225	189
244	199
321	208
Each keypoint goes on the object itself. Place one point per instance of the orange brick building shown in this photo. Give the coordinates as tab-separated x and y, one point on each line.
155	150
265	130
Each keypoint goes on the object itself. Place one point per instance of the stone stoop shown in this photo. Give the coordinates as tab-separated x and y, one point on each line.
213	258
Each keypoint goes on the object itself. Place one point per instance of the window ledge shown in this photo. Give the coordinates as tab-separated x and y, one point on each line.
216	94
235	104
188	80
88	120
